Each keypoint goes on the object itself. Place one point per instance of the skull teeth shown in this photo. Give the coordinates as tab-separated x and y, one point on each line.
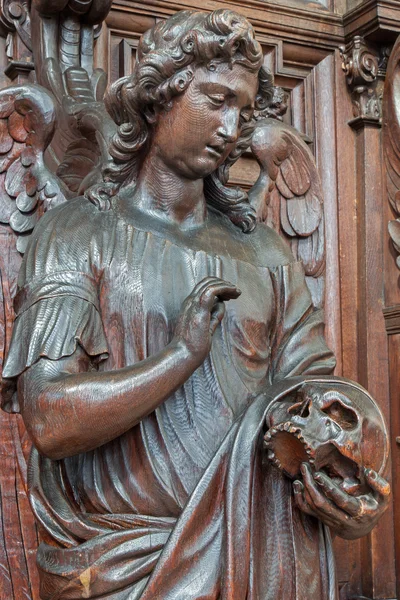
276	463
293	430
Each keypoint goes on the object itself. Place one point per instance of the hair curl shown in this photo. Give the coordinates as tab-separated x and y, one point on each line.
166	58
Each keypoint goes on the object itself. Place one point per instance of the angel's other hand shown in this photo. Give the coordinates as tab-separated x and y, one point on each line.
349	516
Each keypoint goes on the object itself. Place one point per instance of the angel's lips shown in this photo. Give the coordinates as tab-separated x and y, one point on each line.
216	151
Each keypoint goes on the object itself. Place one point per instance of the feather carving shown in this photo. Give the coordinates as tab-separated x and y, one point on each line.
287	195
27	186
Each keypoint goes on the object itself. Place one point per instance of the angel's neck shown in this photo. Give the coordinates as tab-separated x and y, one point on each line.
168	196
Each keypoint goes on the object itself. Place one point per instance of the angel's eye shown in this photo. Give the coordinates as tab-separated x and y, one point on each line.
216	99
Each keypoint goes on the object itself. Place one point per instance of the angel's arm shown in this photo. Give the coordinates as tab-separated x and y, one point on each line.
69	408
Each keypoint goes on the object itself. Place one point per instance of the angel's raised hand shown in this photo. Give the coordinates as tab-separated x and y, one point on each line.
201	313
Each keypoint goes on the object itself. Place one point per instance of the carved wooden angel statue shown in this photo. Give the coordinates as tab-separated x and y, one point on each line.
158	323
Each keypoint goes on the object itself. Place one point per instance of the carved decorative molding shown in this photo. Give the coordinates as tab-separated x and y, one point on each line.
324	29
392	319
365	70
391	144
15	17
15	25
377	18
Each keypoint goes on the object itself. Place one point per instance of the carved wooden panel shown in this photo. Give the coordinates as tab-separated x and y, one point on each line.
320	107
300	43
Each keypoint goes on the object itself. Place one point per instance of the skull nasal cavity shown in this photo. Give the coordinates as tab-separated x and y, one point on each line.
301	409
343	416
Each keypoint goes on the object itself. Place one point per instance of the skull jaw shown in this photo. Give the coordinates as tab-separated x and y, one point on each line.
289	446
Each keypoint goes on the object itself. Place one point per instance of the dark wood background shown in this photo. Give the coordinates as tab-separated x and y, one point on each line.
301	43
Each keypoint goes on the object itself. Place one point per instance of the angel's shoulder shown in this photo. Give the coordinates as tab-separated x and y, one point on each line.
77	217
263	246
69	237
272	251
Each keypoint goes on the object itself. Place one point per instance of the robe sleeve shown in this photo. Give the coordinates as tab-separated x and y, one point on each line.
299	346
56	308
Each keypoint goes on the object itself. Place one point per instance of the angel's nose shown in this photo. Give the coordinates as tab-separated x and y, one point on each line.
229	129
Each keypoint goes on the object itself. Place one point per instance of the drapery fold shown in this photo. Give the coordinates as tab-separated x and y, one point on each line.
184	500
239	537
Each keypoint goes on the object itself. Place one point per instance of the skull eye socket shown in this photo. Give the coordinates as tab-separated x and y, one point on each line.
343	416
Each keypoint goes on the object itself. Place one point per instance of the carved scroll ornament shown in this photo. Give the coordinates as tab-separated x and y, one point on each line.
365	69
15	16
28	186
15	25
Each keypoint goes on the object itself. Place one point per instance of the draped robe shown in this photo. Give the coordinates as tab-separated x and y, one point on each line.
184	505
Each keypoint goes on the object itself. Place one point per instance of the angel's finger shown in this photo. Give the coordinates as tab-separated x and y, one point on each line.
203	283
309	509
298	490
219	289
315	498
344	501
377	483
324	507
217	314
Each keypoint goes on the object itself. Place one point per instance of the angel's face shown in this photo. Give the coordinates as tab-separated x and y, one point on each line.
197	134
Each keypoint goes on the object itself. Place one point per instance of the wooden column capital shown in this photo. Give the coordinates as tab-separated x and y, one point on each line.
365	68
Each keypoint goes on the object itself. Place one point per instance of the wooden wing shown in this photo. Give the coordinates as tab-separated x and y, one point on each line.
27	189
27	186
391	142
53	141
64	65
287	195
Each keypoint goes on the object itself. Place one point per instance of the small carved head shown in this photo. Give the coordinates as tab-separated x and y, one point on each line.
168	57
336	427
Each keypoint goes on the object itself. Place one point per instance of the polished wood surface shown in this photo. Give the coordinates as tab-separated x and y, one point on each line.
300	44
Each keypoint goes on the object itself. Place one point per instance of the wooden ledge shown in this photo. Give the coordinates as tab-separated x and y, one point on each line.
297	22
378	20
301	22
392	319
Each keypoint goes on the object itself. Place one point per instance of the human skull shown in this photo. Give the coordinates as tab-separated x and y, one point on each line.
335	426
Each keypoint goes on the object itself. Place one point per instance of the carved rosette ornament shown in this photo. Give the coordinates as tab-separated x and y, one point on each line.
364	70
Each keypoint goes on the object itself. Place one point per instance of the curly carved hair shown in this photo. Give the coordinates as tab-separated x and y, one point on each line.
166	58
